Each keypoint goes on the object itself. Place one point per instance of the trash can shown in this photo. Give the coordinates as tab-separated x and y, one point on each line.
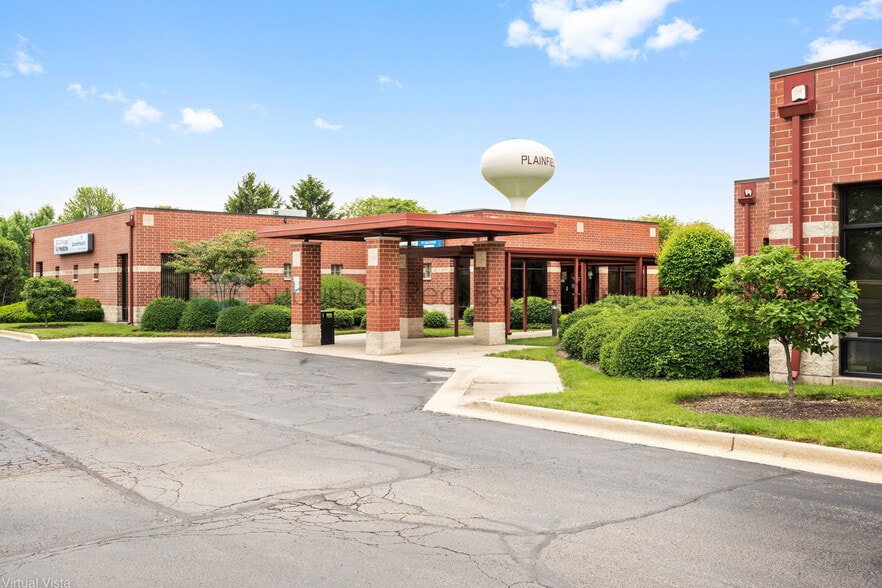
327	327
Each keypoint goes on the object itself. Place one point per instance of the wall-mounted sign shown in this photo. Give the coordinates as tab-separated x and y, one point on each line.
81	243
432	243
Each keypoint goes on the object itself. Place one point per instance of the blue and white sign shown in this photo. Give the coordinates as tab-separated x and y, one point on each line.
434	243
80	243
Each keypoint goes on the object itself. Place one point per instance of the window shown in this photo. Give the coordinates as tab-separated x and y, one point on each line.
427	271
533	274
336	269
286	271
76	273
95	273
173	283
39	269
861	245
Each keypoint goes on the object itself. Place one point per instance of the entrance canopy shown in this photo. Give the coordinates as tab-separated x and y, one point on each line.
408	226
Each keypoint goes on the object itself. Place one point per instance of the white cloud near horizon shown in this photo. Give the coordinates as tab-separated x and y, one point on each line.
200	121
824	48
140	112
570	31
322	124
866	10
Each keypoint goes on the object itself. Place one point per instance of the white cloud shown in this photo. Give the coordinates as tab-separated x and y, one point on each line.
570	31
866	10
326	126
200	121
672	34
22	62
118	96
80	91
141	112
825	48
387	81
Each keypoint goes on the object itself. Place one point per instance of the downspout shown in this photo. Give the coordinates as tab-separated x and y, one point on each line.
131	224
31	264
800	101
507	293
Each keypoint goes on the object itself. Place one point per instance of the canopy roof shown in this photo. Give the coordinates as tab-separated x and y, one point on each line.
409	226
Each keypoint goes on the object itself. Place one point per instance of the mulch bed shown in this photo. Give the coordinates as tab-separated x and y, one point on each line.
781	408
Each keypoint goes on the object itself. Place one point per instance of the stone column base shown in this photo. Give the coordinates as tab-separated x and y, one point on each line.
813	369
306	335
412	328
489	333
383	343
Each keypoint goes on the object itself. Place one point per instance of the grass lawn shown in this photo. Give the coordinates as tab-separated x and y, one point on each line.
656	401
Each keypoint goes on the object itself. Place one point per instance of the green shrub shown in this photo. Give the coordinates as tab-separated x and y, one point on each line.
363	323
49	299
268	318
677	343
199	314
574	317
343	319
232	302
755	358
571	342
468	316
358	314
342	292
85	310
283	298
606	325
434	319
236	319
163	314
17	313
538	312
691	259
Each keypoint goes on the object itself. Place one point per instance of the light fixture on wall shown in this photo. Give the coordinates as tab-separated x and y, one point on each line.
590	274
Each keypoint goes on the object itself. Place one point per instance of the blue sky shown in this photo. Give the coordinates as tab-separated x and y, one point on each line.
650	106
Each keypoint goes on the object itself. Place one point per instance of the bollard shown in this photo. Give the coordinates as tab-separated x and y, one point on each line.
554	318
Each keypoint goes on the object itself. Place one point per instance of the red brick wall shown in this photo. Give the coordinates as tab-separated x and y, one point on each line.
306	273
759	216
489	283
383	285
842	144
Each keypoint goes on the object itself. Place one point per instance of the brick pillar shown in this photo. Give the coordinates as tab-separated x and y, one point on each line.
411	270
383	281
306	294
489	297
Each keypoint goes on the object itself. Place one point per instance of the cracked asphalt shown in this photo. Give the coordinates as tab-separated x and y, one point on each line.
169	464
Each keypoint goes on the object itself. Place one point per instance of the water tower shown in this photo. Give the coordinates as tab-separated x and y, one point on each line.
517	168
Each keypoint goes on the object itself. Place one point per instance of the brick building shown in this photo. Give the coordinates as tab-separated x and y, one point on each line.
824	194
119	258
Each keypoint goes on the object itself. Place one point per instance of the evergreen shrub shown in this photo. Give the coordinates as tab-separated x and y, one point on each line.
268	318
163	314
342	292
199	314
17	312
434	319
236	319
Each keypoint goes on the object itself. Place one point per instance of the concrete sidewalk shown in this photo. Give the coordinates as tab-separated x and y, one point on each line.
478	380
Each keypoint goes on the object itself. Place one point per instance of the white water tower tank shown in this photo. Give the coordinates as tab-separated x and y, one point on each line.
517	168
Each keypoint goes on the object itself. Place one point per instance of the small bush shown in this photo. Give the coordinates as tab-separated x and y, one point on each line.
283	299
199	314
163	314
50	299
342	292
236	319
17	313
358	314
468	316
363	323
677	343
571	342
87	310
434	319
343	319
606	325
538	312
268	318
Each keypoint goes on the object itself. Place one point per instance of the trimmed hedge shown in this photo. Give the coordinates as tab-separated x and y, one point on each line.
434	319
343	319
676	343
268	318
87	310
468	316
538	312
200	314
236	320
342	292
283	298
358	314
571	342
17	312
163	314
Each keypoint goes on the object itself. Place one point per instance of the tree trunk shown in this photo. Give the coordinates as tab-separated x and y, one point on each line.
789	371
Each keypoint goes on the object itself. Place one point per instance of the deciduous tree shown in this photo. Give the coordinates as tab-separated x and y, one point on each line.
17	228
226	263
798	301
49	298
11	273
90	201
374	205
691	260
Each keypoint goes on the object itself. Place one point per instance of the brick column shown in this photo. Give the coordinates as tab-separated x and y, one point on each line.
306	297
383	281
411	271
490	304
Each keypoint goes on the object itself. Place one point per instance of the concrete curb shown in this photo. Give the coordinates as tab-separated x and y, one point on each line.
831	461
19	336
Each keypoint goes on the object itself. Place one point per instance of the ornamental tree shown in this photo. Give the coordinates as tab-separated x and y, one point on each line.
797	301
48	298
226	263
691	259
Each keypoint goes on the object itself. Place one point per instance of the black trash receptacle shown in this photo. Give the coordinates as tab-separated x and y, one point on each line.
327	327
